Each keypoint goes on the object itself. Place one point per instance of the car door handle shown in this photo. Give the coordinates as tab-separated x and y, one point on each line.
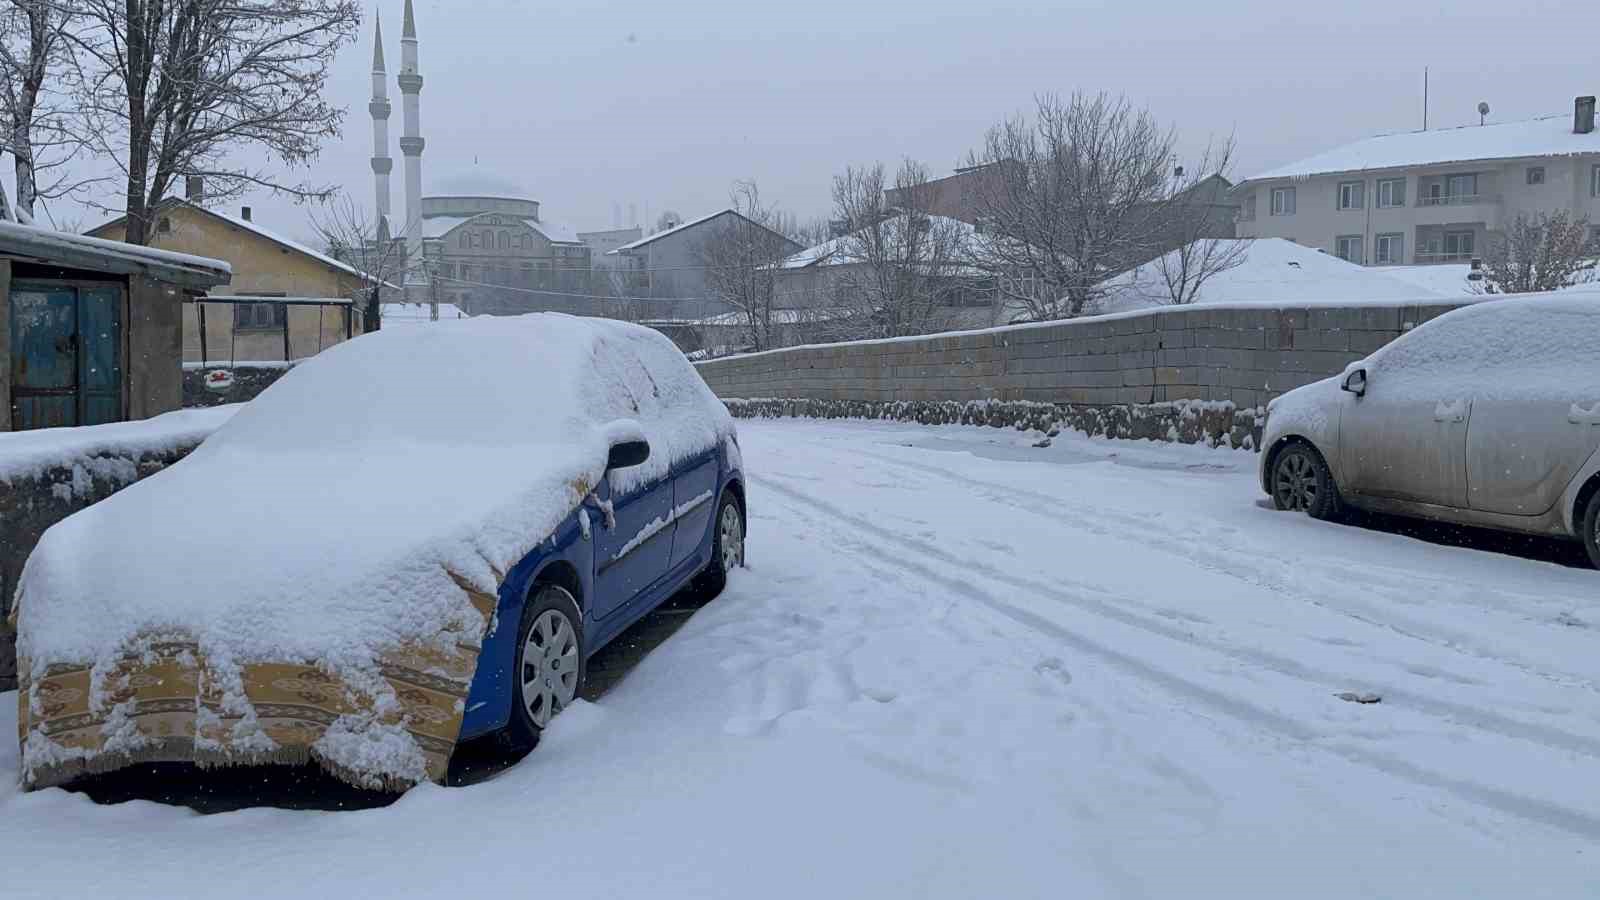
1450	411
1581	416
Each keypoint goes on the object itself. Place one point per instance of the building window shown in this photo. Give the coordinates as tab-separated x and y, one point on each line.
1457	245
1348	248
1594	182
1536	174
1389	249
1391	193
259	316
1283	201
164	226
1246	212
1351	194
1461	186
466	240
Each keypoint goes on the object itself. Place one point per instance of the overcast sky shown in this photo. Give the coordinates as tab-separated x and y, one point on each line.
583	105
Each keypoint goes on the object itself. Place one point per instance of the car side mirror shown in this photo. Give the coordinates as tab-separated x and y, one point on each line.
627	454
1356	382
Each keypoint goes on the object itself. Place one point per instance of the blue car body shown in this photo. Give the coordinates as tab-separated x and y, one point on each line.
626	561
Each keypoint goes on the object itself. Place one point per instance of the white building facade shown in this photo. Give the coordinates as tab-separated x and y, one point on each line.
1431	196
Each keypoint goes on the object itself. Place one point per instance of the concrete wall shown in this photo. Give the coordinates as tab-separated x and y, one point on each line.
1240	355
248	383
155	347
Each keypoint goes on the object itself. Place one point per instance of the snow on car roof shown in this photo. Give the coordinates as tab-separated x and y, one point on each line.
1532	138
331	517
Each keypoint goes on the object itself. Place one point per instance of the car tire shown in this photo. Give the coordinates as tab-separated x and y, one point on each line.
545	681
1591	530
1301	482
727	549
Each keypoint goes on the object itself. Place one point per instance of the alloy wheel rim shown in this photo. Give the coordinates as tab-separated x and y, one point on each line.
1296	482
732	538
549	666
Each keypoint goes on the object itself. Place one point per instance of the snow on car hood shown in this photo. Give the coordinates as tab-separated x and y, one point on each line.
342	512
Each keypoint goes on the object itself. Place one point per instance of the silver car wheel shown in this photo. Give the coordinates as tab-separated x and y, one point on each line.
549	666
1295	482
731	535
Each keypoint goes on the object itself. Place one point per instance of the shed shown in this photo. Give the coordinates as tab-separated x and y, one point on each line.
92	330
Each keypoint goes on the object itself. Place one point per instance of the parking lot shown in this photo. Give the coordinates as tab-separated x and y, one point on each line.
959	665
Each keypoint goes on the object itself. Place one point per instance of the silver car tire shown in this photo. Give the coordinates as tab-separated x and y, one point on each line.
551	661
1302	482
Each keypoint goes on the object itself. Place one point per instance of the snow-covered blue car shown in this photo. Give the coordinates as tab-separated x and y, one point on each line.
418	536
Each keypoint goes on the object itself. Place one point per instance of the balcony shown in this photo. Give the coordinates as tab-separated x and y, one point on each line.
1425	257
1457	199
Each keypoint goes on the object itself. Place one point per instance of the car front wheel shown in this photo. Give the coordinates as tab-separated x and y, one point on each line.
1301	482
550	660
1591	530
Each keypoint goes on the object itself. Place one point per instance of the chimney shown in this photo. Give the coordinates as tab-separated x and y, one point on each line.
1583	115
194	188
244	213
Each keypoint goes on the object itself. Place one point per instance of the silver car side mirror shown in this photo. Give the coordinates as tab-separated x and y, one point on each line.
1356	382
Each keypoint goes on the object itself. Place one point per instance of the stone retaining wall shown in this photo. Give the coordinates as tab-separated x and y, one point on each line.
1243	355
248	382
1217	424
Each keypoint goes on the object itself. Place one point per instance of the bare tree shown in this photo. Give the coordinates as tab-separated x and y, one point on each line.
896	267
1083	190
1547	252
1181	273
43	130
177	86
741	259
353	237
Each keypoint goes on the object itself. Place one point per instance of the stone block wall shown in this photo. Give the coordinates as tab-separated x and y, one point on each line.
248	382
1243	355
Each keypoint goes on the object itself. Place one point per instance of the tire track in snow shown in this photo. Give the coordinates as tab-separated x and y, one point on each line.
1173	543
1554	815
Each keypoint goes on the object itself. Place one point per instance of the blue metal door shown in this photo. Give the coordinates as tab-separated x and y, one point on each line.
632	556
66	354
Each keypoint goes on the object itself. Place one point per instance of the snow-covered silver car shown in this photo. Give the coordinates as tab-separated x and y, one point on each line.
1487	416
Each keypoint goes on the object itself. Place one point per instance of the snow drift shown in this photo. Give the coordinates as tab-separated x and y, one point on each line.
315	580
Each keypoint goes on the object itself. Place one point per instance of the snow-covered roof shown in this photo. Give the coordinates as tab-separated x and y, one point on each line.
294	245
1274	271
671	231
1548	136
440	488
837	251
557	233
1445	279
408	313
31	242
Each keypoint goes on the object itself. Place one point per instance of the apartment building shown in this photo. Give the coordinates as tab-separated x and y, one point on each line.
1429	196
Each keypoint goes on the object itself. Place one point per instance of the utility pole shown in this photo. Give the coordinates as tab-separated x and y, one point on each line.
1424	98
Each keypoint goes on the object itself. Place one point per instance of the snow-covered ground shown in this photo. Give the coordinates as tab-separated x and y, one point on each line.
961	666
